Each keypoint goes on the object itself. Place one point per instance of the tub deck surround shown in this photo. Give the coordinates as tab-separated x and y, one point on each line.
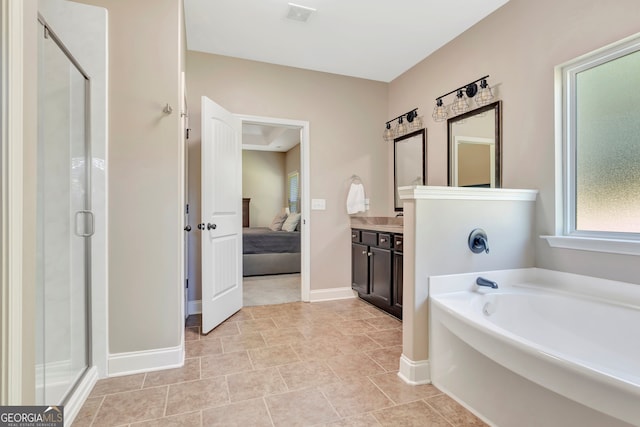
432	192
437	223
562	337
378	223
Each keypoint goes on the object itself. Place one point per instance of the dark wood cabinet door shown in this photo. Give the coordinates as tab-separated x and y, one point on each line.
397	280
360	268
380	274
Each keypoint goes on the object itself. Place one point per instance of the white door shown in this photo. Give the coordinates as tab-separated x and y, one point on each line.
221	214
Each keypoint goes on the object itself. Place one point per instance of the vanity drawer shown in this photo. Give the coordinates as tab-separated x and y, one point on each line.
397	242
355	236
384	240
369	238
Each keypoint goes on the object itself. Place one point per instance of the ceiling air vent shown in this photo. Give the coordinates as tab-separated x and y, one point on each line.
299	13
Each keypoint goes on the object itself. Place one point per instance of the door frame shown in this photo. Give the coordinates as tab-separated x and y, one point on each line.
11	216
305	177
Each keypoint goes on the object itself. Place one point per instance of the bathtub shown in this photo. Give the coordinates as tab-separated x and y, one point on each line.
545	348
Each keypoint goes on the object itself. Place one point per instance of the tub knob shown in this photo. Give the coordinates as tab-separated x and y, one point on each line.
478	241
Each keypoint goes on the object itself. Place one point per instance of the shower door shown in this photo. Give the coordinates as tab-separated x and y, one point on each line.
64	221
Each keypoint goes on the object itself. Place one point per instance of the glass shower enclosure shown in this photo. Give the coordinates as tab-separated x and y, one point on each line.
64	222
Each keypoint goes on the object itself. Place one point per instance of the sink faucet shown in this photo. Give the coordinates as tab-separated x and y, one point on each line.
481	281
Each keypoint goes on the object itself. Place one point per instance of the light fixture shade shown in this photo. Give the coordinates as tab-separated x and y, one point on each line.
401	128
485	96
416	124
439	112
460	105
387	135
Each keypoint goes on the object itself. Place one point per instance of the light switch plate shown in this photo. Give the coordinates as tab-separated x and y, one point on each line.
318	204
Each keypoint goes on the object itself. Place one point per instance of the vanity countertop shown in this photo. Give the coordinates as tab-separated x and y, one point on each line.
377	223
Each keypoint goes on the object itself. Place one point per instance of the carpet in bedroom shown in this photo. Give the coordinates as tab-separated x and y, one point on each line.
273	289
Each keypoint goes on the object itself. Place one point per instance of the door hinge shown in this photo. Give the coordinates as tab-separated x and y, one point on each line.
187	132
186	283
186	208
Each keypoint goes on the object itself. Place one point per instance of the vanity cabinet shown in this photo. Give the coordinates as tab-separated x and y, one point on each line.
376	269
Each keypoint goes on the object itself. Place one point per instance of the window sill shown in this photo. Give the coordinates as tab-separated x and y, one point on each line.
623	247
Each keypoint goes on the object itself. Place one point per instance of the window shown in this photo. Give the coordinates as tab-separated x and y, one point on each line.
601	143
293	187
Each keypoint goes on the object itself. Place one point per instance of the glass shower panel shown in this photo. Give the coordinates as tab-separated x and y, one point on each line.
63	200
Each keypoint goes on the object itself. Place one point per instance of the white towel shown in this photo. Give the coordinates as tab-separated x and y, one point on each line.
355	199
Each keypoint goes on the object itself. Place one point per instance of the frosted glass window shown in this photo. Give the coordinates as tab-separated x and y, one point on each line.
608	146
602	143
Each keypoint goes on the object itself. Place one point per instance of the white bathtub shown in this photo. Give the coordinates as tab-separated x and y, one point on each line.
546	348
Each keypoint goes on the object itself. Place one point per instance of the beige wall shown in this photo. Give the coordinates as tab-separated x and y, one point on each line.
346	117
145	173
263	175
518	46
292	160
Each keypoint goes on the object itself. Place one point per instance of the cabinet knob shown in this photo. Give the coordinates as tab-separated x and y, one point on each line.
353	236
369	253
382	240
364	252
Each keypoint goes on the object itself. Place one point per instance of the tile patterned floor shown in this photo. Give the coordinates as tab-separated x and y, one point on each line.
298	364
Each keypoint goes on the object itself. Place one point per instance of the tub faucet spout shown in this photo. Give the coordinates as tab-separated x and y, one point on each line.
481	281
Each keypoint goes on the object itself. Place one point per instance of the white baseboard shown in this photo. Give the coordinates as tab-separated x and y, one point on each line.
80	394
145	361
414	373
331	294
194	307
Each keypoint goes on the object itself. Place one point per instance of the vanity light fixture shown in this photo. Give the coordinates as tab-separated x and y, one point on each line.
414	123
460	105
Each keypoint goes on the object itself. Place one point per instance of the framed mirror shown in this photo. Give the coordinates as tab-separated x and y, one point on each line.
475	148
409	162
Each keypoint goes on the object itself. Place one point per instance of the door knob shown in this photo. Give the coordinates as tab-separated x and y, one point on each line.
187	228
211	226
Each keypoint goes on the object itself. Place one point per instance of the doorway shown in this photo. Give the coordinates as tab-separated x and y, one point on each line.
194	264
276	156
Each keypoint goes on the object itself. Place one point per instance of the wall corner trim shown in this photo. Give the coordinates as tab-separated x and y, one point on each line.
414	373
135	362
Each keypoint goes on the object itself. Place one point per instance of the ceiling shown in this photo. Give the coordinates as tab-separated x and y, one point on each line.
263	137
370	39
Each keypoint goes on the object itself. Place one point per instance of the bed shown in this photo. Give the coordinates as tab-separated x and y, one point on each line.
270	252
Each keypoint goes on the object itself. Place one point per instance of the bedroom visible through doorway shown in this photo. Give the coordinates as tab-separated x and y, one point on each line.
272	220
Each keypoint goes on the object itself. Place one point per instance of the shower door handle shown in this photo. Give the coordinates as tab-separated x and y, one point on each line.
92	222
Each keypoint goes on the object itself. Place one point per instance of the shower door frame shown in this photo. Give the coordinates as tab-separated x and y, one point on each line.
48	32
